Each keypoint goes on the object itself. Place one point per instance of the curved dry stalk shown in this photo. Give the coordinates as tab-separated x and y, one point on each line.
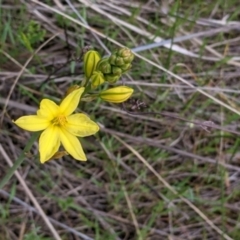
30	195
189	84
130	207
85	22
167	185
170	44
153	143
57	223
139	56
21	72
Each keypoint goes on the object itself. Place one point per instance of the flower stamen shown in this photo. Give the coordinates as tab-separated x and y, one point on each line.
59	121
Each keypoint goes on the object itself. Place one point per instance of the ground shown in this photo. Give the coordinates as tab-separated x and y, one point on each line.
165	164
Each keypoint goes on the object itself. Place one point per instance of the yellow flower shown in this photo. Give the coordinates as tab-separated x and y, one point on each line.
60	126
117	94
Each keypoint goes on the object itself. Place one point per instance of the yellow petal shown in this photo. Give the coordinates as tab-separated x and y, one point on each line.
48	109
49	143
71	101
81	125
72	145
32	123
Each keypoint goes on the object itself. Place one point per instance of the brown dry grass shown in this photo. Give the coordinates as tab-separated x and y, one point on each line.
148	176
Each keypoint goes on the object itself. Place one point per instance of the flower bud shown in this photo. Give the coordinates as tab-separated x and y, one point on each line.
116	70
91	59
121	57
117	94
111	78
116	61
126	67
104	66
128	59
97	79
126	54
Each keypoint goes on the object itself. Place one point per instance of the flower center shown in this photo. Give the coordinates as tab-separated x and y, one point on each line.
59	120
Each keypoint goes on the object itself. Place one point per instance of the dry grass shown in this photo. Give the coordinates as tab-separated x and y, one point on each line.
167	171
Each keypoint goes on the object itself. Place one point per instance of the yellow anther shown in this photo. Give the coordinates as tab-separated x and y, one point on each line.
59	120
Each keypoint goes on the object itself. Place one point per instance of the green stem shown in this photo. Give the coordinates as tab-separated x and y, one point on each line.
87	86
19	160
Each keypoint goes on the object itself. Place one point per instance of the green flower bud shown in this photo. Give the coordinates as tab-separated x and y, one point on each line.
90	61
112	59
116	70
117	94
126	54
128	59
104	66
121	57
111	78
117	61
97	79
126	67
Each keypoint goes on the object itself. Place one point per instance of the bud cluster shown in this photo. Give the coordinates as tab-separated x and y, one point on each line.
98	70
114	66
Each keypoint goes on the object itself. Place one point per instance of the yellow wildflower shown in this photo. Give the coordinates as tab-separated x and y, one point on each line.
60	126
